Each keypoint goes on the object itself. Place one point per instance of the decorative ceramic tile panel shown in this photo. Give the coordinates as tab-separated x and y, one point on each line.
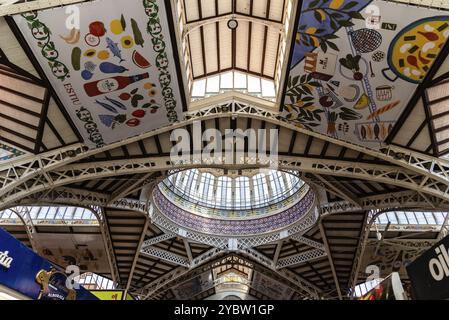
114	71
357	63
234	227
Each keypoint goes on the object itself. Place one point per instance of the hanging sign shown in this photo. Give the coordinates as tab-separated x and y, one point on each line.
23	271
429	273
5	260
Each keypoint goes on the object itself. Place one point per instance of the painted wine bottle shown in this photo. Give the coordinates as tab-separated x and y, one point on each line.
107	85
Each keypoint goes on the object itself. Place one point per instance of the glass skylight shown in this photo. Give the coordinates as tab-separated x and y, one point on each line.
412	218
53	213
234	81
224	192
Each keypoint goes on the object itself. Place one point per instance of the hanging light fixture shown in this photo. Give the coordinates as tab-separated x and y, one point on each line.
233	23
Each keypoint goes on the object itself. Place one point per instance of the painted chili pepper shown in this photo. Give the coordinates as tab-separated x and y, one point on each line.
133	122
139	113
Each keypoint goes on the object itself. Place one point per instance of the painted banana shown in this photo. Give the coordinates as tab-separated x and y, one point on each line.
73	37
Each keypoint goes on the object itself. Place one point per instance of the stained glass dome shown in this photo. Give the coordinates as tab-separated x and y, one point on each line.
246	190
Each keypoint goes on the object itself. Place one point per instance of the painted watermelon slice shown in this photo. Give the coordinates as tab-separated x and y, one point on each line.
140	61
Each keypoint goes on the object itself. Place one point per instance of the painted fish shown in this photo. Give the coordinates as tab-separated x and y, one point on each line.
113	46
106	106
116	103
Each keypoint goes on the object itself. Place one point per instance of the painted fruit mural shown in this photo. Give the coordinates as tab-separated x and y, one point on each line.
114	72
357	63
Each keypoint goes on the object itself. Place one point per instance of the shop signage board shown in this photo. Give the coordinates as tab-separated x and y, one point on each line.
114	71
111	295
429	273
27	273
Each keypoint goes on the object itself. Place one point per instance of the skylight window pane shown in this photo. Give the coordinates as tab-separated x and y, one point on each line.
402	217
382	219
392	217
420	217
254	85
268	89
199	88
33	212
213	84
240	80
429	217
227	81
412	218
440	216
78	214
43	213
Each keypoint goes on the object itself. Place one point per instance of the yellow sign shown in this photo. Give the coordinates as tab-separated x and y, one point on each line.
110	295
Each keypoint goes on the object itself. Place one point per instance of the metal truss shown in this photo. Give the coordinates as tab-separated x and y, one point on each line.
307	241
303	285
106	236
181	275
23	212
411	170
329	256
95	170
444	231
132	186
166	256
77	197
403	199
230	259
300	258
148	290
137	254
157	239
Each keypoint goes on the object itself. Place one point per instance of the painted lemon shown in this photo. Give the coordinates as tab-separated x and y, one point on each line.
362	103
103	55
116	26
127	42
335	4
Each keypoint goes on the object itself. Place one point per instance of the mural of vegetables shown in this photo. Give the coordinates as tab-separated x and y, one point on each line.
109	67
137	33
97	69
97	28
76	58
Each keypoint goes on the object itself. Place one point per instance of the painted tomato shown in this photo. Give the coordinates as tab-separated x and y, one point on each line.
133	122
125	96
97	29
139	113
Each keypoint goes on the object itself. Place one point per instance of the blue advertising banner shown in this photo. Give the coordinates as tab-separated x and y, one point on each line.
26	272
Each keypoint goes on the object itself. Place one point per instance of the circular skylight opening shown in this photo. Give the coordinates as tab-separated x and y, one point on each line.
240	190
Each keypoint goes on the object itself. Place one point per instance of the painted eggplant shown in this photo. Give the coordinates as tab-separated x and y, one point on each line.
108	67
